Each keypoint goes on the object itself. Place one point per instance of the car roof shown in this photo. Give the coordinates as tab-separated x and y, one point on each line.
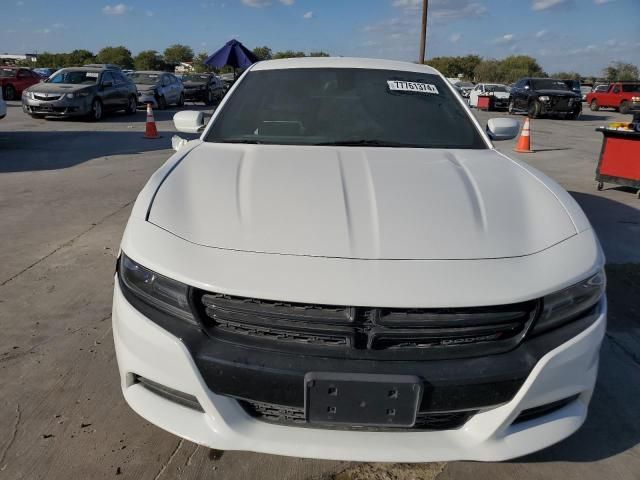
342	62
88	69
151	72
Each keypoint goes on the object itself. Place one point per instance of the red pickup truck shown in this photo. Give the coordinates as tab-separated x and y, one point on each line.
620	95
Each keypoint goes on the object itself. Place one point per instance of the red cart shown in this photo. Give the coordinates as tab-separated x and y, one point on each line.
619	161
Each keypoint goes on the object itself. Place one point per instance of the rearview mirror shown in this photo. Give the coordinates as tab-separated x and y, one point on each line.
189	121
502	128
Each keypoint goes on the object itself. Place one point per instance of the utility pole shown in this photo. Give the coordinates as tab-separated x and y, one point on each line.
423	32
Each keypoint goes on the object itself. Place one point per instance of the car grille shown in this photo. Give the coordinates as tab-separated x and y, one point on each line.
48	98
365	329
559	103
294	416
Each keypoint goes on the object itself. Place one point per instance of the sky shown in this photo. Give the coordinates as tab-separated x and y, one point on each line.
564	35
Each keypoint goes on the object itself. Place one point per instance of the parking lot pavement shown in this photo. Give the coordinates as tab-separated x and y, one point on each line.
66	188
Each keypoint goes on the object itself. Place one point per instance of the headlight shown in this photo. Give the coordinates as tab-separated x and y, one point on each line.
28	94
543	98
635	99
156	290
565	305
77	95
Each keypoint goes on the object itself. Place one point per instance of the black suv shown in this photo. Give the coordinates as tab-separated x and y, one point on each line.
544	96
202	87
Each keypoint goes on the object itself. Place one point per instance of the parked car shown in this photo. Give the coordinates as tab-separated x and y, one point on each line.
544	96
13	80
3	107
328	272
496	90
619	95
202	87
80	91
45	72
584	91
160	89
465	88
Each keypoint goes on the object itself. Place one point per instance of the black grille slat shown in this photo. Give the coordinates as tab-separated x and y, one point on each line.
294	416
367	328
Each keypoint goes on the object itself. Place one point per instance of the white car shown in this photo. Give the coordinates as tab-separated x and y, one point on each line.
342	266
3	106
497	90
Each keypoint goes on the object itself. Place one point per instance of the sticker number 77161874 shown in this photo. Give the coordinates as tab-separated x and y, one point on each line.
402	86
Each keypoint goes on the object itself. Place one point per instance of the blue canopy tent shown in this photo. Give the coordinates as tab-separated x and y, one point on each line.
233	54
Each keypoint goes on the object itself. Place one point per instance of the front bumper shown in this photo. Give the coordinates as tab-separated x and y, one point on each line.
195	94
144	348
145	98
560	106
58	108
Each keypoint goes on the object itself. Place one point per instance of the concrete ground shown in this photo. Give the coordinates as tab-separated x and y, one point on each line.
66	188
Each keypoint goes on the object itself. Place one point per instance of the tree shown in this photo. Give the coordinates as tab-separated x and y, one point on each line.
120	56
454	66
319	54
289	54
487	71
178	53
620	71
263	53
148	60
198	63
515	67
79	57
567	76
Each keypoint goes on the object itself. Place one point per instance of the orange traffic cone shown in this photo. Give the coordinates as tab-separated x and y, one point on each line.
524	142
151	131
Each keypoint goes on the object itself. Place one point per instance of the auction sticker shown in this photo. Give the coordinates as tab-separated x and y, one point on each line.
92	74
402	86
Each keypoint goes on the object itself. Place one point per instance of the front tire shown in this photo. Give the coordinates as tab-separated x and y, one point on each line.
534	109
9	92
132	105
180	103
209	98
594	106
511	108
162	102
624	107
96	110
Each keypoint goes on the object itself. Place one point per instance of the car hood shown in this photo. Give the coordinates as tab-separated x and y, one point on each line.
57	87
364	203
501	94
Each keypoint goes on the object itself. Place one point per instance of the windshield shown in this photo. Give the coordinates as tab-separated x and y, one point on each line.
7	72
466	85
350	107
145	78
496	88
75	77
548	84
195	78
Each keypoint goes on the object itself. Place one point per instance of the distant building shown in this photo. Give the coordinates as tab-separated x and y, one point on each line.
12	58
184	67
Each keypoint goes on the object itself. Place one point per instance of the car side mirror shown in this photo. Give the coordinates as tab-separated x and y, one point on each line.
107	84
189	121
502	128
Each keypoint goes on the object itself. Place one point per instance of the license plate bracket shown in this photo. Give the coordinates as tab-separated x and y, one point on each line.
368	400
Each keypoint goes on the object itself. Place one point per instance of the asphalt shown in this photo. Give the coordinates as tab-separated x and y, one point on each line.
66	189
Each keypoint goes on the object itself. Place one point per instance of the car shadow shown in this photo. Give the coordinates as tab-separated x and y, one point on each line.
24	151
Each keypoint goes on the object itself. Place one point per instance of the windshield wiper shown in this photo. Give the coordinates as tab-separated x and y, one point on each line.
365	143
